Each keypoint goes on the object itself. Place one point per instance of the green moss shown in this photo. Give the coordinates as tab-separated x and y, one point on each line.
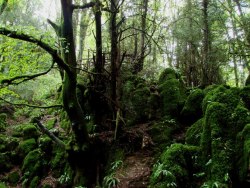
32	164
26	146
17	131
221	94
175	167
2	185
8	143
3	118
45	143
50	123
192	110
245	95
34	182
13	177
162	132
5	163
193	134
243	150
167	74
30	131
57	163
172	97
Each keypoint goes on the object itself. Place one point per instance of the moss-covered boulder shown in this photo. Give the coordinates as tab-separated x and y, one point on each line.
3	123
45	143
136	101
224	117
243	150
192	110
5	162
29	131
162	131
26	146
193	134
245	95
14	177
32	166
8	143
228	96
173	97
167	74
175	167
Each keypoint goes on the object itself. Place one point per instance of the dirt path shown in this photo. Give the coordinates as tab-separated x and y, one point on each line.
135	171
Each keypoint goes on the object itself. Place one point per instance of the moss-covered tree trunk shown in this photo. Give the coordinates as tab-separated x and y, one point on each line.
70	101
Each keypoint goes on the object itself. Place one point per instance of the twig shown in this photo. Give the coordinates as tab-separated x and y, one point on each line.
49	134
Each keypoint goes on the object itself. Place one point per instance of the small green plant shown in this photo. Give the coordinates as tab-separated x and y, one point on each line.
64	179
117	164
110	181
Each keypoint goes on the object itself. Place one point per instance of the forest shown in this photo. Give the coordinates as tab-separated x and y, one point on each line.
125	94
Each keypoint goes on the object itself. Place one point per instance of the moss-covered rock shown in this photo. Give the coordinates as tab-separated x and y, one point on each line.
228	96
136	101
8	143
161	132
193	134
167	74
30	131
5	162
243	150
14	177
3	118
192	110
27	146
45	143
175	167
173	97
34	182
32	166
245	95
2	185
58	161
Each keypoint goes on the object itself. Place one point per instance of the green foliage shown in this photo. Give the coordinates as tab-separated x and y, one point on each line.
246	96
174	167
2	122
221	94
193	134
32	166
167	74
173	97
2	185
192	110
30	131
14	177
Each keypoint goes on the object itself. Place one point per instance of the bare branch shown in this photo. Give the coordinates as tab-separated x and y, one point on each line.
24	78
85	6
43	45
48	133
30	105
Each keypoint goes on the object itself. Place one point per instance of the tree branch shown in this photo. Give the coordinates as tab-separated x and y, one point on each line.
3	6
30	105
24	77
46	47
50	134
87	5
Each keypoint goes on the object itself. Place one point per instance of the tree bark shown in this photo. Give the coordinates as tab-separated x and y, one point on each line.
206	42
70	102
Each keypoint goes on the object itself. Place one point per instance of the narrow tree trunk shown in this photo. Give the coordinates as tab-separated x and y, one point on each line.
139	65
114	49
70	101
206	34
